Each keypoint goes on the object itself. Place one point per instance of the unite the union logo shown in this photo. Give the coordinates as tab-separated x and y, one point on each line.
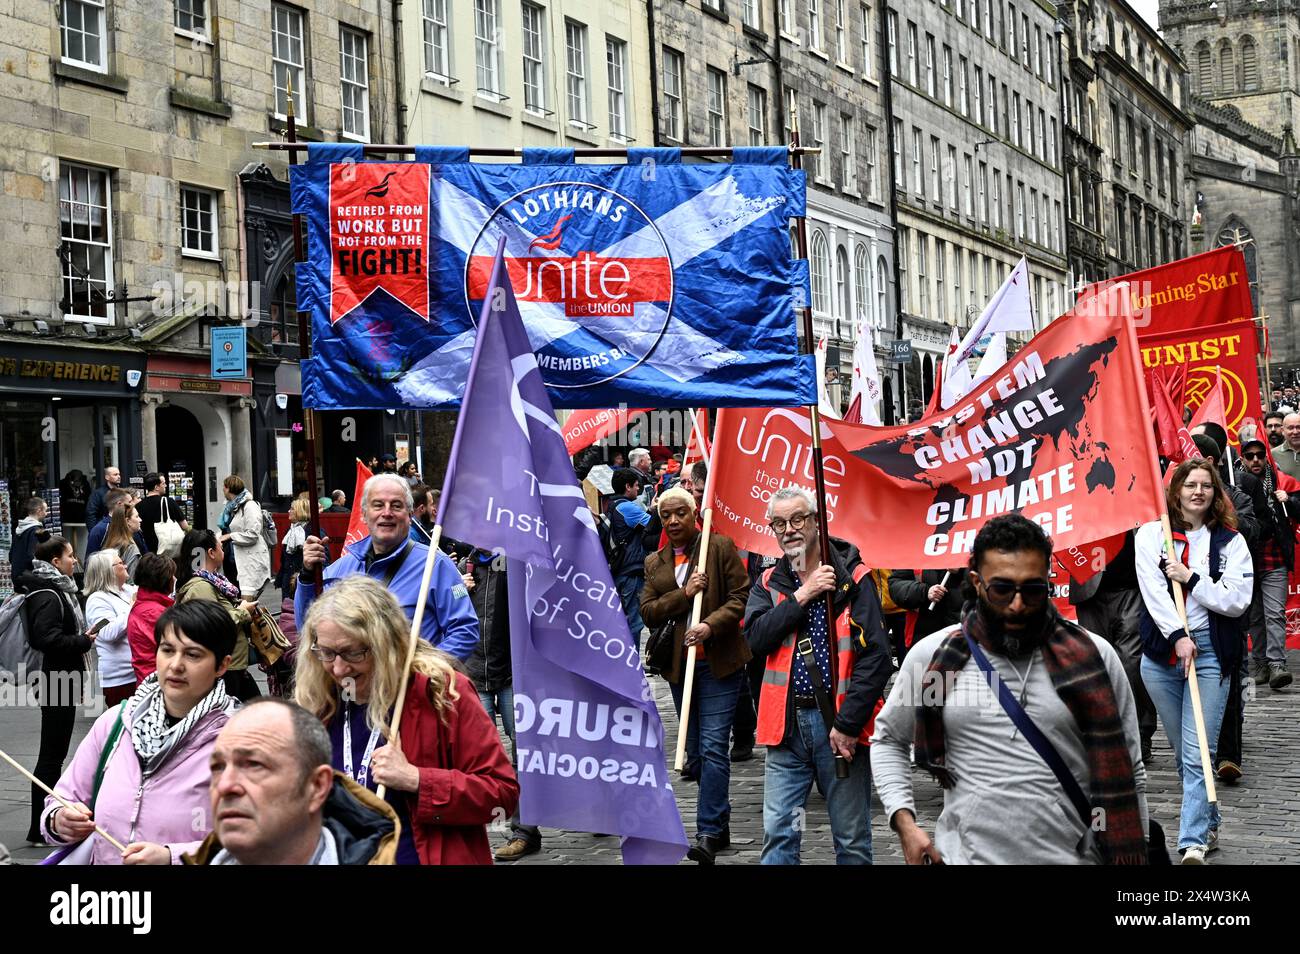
592	275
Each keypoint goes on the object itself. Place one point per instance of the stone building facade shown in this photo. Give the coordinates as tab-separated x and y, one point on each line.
1247	189
1240	53
127	148
745	72
572	73
1245	164
1142	101
977	162
1081	121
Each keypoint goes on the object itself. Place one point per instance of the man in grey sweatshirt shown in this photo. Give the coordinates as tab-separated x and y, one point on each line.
1005	805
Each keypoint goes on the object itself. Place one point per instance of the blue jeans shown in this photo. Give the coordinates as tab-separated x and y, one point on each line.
713	708
629	593
787	781
502	702
1168	690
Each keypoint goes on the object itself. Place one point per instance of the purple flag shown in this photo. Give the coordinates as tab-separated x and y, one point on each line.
589	739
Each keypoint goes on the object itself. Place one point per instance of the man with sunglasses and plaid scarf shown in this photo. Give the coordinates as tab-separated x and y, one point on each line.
1003	803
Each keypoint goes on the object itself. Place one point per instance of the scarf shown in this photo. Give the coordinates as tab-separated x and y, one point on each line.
48	573
153	739
1080	679
228	512
220	584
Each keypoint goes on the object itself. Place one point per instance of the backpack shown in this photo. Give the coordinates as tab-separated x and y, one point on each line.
268	531
615	550
269	535
16	653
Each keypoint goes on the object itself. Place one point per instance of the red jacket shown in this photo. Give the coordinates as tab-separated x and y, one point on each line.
149	605
466	779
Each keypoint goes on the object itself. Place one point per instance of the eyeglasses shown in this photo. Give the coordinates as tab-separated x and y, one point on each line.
327	656
796	522
1255	456
1003	592
379	506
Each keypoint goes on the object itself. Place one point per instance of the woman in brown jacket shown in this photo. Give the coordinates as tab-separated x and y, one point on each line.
671	582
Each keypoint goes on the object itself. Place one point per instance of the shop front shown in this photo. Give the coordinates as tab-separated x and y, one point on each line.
66	413
196	430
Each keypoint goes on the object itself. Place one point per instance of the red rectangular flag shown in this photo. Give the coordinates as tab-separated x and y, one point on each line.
584	427
357	529
1206	289
1062	435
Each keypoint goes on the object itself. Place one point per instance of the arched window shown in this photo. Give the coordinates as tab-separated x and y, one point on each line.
1233	230
862	278
1204	69
1227	68
882	293
821	274
842	308
1249	65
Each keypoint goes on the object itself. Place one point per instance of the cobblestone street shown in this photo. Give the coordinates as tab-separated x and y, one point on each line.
1260	812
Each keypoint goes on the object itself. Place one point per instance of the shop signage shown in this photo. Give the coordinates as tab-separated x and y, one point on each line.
229	353
211	387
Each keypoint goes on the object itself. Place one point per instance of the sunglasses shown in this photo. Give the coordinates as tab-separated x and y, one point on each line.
1255	456
1003	592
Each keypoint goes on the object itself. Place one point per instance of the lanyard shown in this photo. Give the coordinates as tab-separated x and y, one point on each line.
362	776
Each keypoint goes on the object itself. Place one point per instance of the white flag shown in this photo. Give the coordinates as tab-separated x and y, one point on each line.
865	392
995	356
1010	309
823	399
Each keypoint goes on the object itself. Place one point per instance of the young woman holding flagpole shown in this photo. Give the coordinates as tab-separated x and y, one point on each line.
1194	815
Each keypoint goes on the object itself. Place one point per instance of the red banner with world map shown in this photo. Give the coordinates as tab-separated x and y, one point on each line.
1054	436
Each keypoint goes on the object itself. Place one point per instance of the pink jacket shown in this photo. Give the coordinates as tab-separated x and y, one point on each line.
171	808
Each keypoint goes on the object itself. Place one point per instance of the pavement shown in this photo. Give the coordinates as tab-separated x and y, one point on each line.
1261	813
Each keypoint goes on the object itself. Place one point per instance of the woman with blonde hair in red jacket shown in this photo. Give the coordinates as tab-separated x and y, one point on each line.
450	777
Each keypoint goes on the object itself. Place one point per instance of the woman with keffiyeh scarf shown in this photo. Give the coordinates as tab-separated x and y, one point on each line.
157	745
206	582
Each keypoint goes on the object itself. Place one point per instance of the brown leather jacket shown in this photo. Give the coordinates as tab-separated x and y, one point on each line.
724	604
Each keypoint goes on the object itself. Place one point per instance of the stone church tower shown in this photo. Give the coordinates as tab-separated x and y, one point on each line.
1243	61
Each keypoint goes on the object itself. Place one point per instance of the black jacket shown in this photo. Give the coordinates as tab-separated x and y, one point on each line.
1248	500
913	594
488	666
52	626
1273	517
766	626
23	551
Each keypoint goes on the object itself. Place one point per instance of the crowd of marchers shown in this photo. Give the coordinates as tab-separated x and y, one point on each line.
1037	729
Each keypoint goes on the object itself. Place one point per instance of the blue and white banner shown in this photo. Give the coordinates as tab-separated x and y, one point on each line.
650	283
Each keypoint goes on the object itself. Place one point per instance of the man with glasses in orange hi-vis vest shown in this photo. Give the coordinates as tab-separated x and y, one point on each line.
824	679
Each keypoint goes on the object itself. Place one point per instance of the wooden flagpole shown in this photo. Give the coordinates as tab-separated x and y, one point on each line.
697	609
421	601
1211	792
70	807
819	469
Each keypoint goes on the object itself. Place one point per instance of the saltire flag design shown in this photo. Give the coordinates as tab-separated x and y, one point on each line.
589	739
649	283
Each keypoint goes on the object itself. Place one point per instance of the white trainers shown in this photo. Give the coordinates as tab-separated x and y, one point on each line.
1195	855
1213	842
